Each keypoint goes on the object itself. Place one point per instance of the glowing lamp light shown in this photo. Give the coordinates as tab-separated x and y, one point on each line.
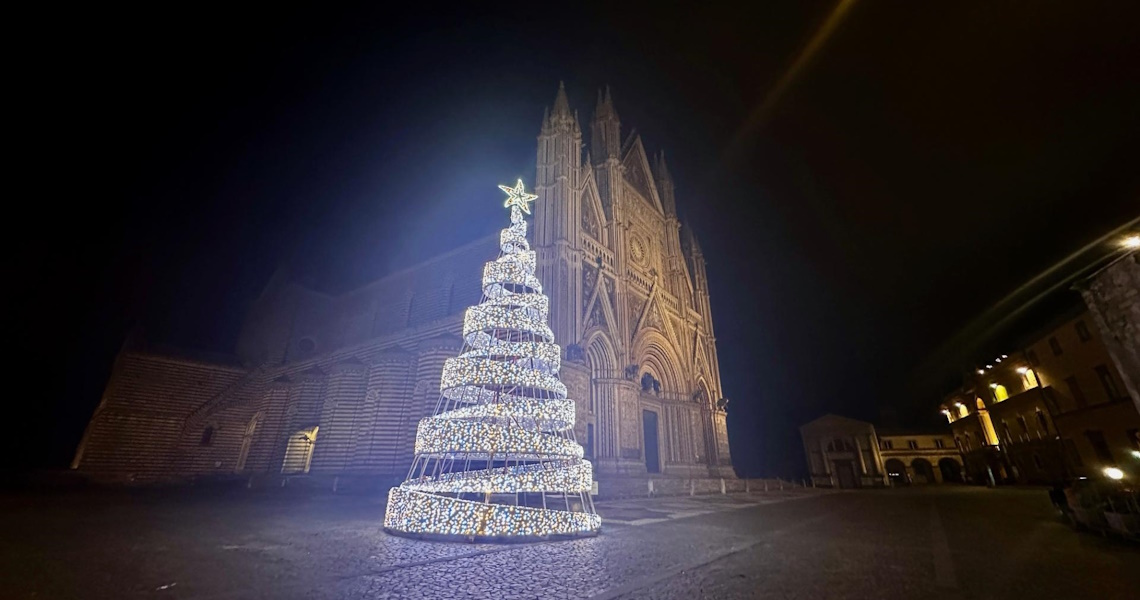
1022	370
1131	242
946	412
1004	356
1113	473
959	404
997	360
989	366
981	371
993	386
1136	454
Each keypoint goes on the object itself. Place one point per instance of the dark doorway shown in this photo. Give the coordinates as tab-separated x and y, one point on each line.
845	473
951	470
923	471
896	470
649	424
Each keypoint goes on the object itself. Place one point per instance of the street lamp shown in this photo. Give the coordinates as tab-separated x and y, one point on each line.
1131	242
1114	473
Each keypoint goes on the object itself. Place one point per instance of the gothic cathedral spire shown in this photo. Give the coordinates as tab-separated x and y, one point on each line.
605	130
561	104
557	213
665	185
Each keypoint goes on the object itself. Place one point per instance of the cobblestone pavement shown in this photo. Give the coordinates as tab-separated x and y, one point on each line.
935	543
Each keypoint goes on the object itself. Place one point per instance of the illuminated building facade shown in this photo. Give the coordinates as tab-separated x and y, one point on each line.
848	453
1055	410
335	384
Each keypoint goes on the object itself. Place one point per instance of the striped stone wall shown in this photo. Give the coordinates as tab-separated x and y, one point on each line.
137	430
366	401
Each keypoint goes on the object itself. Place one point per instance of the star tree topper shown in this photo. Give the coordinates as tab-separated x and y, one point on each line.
517	196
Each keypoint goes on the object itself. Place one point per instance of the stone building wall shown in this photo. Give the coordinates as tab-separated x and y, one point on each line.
1113	298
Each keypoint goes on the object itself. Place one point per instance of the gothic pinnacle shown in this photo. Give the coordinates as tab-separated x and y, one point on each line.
605	107
662	169
561	104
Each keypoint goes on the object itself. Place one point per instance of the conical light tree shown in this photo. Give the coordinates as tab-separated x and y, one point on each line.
498	460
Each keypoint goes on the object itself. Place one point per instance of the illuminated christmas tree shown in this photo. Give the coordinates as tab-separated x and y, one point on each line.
498	459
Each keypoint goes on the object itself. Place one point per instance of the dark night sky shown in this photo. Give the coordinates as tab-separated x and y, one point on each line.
924	164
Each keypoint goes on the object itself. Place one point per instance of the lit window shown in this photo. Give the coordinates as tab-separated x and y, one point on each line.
939	443
1000	392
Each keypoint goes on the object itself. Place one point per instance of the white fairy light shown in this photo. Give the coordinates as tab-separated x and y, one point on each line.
549	415
569	476
444	437
501	400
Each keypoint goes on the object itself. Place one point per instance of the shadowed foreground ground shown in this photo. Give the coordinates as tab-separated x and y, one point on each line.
950	542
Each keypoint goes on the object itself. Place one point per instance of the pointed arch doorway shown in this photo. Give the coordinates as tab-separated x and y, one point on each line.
649	430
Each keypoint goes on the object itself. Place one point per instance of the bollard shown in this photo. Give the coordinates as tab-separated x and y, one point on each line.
722	490
747	488
692	487
336	480
765	485
803	483
650	487
781	483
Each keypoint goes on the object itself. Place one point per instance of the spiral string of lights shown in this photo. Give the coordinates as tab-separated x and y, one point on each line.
498	459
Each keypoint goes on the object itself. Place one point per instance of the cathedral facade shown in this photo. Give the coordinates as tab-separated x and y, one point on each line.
335	385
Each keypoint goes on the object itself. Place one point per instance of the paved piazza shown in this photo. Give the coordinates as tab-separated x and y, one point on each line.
952	542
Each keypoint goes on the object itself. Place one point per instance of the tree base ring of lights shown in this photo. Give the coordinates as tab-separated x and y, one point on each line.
483	539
